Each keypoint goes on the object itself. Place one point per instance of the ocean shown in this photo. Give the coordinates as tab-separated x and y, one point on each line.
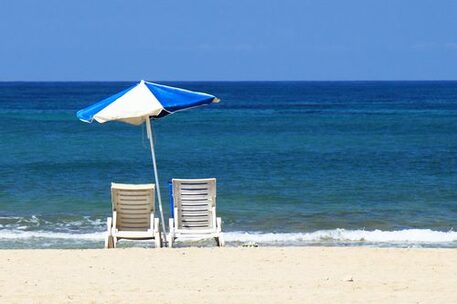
297	163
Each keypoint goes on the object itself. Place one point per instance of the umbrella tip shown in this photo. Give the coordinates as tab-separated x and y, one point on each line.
216	100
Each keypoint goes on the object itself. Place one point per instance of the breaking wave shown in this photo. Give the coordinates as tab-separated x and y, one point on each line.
336	237
349	236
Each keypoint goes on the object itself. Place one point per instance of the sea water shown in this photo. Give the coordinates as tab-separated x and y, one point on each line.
297	163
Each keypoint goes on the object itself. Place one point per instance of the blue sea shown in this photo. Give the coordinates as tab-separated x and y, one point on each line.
297	163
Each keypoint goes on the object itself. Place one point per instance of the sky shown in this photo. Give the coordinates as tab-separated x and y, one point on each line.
110	40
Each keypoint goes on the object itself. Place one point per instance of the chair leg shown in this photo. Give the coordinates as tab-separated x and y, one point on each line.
157	235
109	243
219	238
157	241
114	242
171	234
220	241
170	240
109	237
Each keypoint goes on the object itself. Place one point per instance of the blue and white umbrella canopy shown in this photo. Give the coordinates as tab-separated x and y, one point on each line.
138	104
145	99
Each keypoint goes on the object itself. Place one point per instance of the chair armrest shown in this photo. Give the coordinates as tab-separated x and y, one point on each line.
109	224
109	233
114	220
171	224
214	219
219	224
151	221
156	224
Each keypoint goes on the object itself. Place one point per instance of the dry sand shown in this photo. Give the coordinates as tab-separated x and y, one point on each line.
229	275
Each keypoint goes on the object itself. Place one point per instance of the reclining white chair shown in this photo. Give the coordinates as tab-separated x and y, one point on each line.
133	214
195	211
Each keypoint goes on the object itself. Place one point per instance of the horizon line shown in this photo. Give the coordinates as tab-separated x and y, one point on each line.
124	81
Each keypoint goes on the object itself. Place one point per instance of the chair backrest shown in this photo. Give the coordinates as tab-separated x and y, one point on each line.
195	203
134	205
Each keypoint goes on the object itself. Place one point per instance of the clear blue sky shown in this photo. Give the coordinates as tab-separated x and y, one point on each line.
228	40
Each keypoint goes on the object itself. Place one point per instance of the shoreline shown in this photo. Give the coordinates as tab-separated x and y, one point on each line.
406	238
229	275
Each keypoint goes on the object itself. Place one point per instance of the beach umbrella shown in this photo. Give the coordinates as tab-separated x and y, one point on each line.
140	104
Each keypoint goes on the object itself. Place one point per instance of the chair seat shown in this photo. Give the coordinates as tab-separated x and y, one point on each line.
134	234
196	231
195	237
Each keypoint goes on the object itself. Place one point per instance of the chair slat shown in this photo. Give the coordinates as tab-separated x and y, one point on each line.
193	186
195	201
194	212
195	197
195	218
195	192
137	222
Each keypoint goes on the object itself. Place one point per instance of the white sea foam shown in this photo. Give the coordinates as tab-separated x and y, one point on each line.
342	235
408	236
20	234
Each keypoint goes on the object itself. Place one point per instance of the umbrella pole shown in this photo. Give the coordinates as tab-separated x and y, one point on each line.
151	142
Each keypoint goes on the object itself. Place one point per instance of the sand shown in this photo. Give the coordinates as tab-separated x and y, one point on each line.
229	275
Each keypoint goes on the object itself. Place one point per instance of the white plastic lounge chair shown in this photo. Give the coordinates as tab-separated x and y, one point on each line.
133	214
195	211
